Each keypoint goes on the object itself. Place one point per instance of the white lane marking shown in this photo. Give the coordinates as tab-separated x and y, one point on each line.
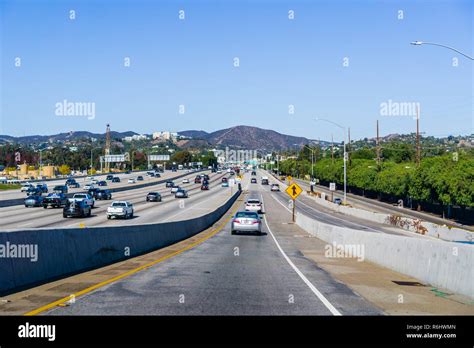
321	297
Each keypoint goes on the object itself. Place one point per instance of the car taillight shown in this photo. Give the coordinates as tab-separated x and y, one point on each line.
236	221
256	222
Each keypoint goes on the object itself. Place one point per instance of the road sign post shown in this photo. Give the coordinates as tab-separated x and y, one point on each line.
293	191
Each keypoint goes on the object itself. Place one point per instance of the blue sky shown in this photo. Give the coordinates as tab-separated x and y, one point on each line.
190	62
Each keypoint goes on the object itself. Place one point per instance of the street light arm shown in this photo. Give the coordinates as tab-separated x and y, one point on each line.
419	43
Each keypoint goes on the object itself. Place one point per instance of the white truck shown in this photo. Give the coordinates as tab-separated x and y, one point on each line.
121	209
87	198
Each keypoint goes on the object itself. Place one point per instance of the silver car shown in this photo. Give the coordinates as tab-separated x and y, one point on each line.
246	221
180	193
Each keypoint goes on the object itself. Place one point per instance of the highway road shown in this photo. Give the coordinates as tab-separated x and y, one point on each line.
15	194
243	274
170	209
310	208
383	207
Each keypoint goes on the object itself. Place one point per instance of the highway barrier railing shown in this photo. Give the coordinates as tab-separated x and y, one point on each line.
33	257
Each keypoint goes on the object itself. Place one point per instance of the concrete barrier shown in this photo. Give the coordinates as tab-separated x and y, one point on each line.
437	263
63	252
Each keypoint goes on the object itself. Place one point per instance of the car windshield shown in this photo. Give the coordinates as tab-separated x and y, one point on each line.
153	194
253	201
118	204
247	214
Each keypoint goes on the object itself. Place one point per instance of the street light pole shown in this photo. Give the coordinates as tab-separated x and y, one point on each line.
345	153
419	43
312	160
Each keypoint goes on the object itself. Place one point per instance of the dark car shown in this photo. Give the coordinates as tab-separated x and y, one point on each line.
76	209
139	178
34	191
157	175
253	181
42	187
153	197
206	177
103	194
109	177
33	201
254	173
74	185
102	183
55	200
71	182
151	174
205	182
93	192
169	184
115	179
60	189
205	187
197	180
224	179
213	170
338	201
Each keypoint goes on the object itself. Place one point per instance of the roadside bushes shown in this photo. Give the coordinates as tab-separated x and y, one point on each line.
438	179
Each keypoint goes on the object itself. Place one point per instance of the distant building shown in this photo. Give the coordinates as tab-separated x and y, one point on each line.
136	137
165	135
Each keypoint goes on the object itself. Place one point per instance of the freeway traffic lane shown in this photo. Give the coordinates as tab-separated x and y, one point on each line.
146	212
243	274
310	208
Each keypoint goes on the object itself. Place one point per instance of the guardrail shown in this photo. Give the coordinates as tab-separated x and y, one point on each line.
19	201
67	251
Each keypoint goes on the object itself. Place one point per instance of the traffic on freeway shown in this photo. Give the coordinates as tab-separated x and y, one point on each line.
209	172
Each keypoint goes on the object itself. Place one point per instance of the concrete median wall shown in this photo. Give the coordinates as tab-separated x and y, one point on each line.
63	252
437	263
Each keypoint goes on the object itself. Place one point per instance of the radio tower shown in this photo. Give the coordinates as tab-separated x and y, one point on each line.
107	147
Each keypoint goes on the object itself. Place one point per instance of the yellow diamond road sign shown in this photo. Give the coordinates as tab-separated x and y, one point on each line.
294	190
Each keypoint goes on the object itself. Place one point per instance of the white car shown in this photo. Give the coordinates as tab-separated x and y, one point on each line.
175	189
26	186
185	181
253	204
219	171
122	209
275	187
131	181
88	186
87	198
94	181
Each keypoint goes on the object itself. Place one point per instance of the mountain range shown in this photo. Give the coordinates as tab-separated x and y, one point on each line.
238	137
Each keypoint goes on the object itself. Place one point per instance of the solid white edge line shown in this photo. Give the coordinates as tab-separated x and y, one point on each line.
321	297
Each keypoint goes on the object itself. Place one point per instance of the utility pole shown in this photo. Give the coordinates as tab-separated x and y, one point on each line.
332	149
418	150
349	145
107	148
378	146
